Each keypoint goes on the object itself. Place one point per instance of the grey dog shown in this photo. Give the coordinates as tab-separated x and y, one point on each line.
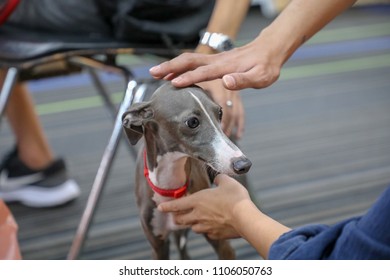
183	147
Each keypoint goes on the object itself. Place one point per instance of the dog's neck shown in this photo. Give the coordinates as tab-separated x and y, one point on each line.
169	171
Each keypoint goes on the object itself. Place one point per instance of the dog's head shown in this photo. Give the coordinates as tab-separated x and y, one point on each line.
185	120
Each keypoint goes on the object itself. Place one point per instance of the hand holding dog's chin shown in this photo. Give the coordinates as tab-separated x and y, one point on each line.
224	218
211	211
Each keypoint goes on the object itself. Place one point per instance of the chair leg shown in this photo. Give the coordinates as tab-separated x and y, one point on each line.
6	90
103	92
102	173
138	96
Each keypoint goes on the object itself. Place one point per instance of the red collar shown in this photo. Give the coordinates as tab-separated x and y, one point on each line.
175	193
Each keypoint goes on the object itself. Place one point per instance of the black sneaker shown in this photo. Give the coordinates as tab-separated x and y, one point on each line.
35	188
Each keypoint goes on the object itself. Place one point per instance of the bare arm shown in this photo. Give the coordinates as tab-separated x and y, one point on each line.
226	212
226	19
260	230
258	63
300	21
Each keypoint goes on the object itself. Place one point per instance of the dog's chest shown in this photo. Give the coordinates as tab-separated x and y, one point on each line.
163	223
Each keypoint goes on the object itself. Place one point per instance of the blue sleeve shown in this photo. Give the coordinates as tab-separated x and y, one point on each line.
365	237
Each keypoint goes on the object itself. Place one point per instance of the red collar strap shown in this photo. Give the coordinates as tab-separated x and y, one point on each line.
175	193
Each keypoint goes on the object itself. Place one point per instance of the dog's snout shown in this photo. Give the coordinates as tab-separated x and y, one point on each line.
241	165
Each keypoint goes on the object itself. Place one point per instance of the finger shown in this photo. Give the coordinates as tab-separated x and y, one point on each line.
240	126
221	179
200	74
180	64
187	219
228	126
200	228
178	205
227	120
253	78
238	81
234	112
170	76
213	236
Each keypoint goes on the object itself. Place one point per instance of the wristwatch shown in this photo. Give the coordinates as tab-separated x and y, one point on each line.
217	41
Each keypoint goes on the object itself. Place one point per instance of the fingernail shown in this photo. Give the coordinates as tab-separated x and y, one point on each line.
154	69
229	81
177	80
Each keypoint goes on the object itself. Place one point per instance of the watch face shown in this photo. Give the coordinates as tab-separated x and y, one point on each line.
226	45
217	41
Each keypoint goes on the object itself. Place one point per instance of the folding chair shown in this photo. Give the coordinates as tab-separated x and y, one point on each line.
26	56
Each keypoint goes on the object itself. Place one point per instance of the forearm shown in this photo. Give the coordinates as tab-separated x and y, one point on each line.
299	21
257	228
226	18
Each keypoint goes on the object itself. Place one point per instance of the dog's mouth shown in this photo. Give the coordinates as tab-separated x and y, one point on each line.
211	172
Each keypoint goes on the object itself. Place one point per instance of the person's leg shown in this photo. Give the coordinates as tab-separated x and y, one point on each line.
33	148
30	174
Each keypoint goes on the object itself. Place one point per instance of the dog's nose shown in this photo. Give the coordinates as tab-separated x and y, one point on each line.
241	165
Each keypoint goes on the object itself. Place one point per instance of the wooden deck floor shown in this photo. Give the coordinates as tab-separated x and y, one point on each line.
319	140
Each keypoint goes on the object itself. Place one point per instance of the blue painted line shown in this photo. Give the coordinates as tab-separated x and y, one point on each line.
63	82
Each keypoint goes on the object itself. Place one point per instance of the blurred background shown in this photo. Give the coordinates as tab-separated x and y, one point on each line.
319	140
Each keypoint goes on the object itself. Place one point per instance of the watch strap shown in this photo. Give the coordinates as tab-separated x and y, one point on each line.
217	41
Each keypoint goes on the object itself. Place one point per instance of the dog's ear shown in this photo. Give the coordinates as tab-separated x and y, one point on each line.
134	119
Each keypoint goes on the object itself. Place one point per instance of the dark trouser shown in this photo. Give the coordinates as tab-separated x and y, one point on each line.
68	16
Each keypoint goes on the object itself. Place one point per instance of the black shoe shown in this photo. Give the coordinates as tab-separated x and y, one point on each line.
48	187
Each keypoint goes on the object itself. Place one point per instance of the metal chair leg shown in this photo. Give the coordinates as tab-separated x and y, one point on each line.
103	92
6	90
101	176
139	94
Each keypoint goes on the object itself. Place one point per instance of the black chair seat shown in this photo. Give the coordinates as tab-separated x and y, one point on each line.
19	45
18	50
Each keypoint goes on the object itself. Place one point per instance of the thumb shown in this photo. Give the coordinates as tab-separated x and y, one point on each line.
238	81
221	179
249	79
229	82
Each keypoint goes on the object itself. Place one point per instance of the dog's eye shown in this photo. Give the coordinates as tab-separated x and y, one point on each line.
192	122
220	113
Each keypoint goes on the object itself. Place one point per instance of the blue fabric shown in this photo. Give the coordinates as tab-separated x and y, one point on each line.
365	237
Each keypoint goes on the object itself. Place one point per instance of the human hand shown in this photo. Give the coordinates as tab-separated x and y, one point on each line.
233	117
255	65
210	211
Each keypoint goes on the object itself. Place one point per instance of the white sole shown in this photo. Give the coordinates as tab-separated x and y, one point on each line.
40	197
